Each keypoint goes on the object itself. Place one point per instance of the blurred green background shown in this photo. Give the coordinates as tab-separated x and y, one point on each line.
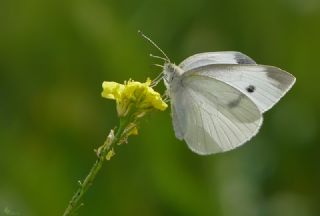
54	56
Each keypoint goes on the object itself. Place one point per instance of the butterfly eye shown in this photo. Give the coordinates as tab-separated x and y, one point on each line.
251	89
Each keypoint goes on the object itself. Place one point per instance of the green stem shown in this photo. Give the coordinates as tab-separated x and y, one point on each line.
85	185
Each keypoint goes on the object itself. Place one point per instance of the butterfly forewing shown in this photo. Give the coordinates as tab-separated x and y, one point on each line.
265	85
225	57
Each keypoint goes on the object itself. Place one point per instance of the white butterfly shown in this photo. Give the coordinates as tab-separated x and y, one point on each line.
218	98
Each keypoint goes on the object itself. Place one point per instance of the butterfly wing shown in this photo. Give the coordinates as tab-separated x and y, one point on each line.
264	85
226	57
212	116
178	117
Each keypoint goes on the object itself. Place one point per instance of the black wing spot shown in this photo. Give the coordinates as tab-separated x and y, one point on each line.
250	88
243	61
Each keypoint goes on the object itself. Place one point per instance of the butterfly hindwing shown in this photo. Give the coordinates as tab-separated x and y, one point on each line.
213	116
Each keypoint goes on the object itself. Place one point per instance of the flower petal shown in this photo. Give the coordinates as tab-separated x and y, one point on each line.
112	90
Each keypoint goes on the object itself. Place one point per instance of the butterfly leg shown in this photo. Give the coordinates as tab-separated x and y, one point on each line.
165	96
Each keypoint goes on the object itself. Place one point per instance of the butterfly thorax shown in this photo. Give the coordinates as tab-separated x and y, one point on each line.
171	73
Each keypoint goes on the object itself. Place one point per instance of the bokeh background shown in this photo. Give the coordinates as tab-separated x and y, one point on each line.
54	56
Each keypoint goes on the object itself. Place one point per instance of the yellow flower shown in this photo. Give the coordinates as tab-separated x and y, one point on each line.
133	98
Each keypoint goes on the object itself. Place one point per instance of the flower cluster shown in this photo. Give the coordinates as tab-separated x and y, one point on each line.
134	99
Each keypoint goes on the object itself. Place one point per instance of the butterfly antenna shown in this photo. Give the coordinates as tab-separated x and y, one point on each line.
158	65
155	45
158	57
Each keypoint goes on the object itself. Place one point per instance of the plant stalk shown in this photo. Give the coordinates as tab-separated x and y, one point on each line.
102	152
